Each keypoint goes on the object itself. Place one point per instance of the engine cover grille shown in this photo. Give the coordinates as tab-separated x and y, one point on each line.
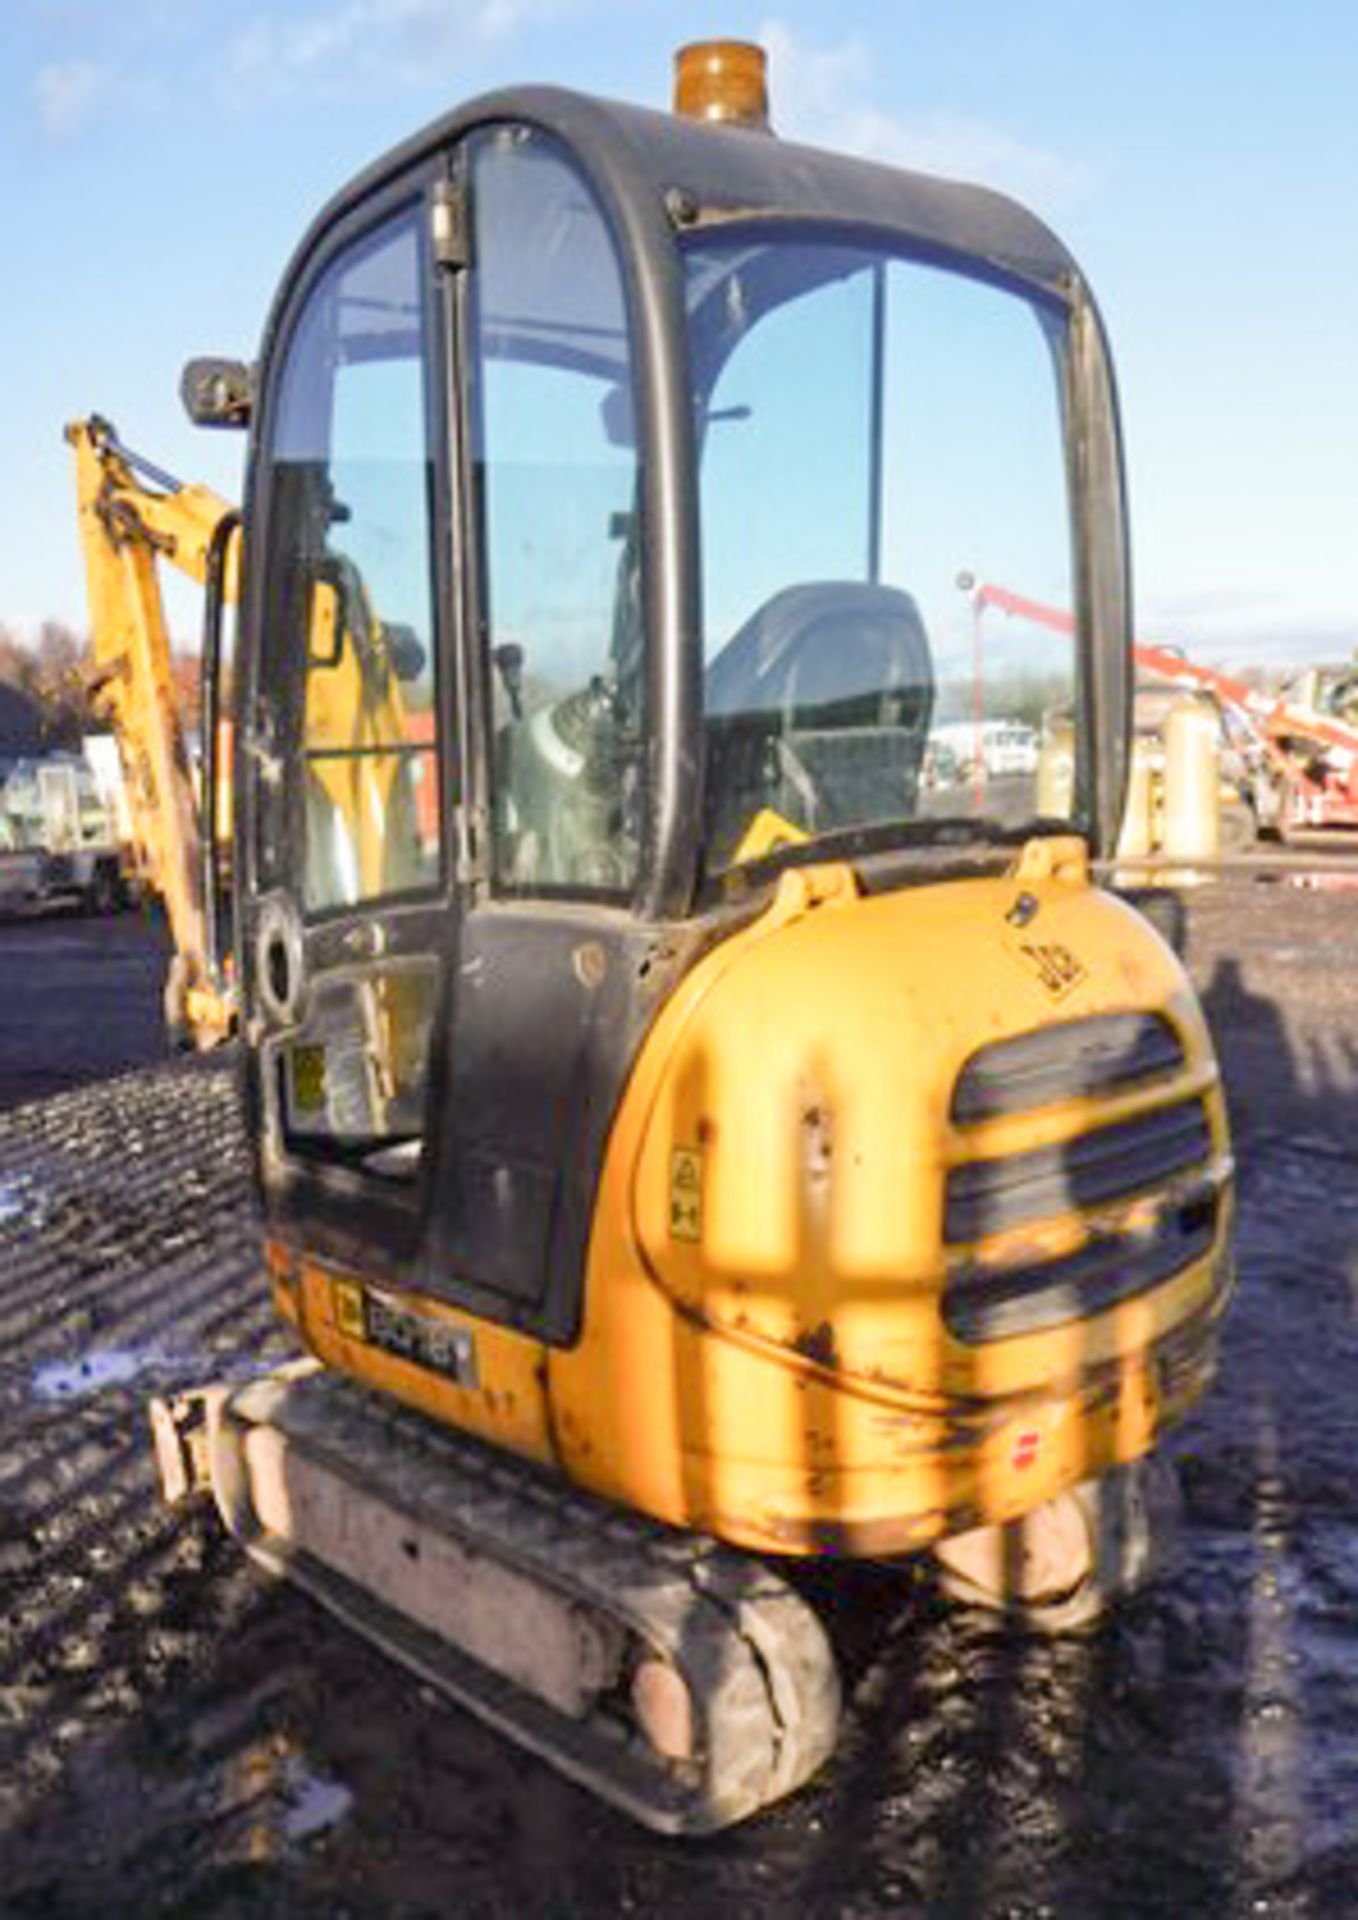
1076	1059
989	1196
1152	1182
982	1304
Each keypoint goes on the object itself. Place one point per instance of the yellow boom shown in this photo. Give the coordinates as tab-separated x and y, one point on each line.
131	517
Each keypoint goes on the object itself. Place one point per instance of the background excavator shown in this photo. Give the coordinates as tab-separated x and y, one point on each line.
132	517
691	1141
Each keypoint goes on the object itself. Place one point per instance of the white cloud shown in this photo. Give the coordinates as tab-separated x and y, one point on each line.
400	43
1223	625
67	93
823	95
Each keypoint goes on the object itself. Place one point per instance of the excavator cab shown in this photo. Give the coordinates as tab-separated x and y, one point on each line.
686	1063
663	449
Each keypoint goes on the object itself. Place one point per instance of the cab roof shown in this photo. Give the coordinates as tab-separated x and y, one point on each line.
702	172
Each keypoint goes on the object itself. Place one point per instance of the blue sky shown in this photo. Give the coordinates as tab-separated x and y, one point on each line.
159	158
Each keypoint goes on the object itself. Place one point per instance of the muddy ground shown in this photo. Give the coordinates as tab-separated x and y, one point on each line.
79	999
178	1737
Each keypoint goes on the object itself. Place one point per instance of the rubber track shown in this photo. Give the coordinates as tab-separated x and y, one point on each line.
758	1666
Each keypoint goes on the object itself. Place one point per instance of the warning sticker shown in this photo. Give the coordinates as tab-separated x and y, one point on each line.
308	1079
349	1311
686	1194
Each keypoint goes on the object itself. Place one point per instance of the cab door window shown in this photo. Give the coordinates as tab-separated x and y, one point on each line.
557	467
348	796
351	557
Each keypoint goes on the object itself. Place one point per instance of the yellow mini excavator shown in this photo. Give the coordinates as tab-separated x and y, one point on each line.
703	1118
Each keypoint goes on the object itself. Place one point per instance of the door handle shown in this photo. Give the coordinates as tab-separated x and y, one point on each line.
366	941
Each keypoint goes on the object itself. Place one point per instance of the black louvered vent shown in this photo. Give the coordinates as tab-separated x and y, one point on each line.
988	1196
1169	1149
1078	1058
981	1305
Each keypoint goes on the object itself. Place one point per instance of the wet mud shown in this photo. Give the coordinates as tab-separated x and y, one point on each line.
177	1736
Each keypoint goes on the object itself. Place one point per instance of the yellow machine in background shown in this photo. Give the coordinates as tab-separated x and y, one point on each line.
690	1140
131	517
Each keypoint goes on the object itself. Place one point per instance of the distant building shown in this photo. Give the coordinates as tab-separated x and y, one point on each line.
21	732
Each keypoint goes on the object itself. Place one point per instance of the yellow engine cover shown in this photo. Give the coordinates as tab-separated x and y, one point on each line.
765	1352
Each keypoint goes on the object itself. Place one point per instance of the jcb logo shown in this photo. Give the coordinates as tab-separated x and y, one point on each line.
1056	966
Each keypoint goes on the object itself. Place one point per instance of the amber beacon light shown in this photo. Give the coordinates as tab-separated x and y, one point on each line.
722	80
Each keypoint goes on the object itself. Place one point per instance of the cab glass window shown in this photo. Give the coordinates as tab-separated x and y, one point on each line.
350	562
882	444
557	472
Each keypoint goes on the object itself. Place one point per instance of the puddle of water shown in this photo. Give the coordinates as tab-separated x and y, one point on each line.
105	1367
263	1799
91	1373
313	1803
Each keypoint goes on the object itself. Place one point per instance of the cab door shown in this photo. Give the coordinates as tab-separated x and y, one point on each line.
347	921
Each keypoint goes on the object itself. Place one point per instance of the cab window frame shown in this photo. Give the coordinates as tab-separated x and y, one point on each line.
1057	313
502	886
273	718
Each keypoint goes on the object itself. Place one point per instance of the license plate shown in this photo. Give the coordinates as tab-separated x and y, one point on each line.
419	1338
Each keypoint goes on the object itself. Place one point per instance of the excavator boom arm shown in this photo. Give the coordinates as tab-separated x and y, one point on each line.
131	518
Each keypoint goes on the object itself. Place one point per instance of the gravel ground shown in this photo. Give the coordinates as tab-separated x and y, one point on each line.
177	1736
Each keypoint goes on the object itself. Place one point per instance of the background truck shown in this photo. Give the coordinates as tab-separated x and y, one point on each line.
58	837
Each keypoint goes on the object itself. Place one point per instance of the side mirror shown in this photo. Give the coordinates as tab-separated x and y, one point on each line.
218	393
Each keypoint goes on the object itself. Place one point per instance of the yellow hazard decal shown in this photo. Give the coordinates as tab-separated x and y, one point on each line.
308	1079
350	1317
686	1194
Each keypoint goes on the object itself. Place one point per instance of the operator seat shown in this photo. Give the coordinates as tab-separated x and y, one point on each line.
819	708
